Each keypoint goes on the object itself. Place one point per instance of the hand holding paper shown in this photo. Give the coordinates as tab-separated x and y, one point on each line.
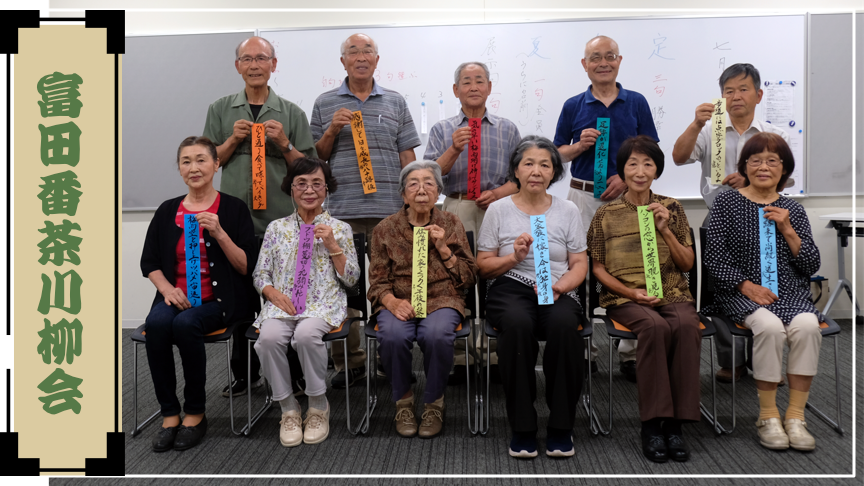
704	113
461	137
521	245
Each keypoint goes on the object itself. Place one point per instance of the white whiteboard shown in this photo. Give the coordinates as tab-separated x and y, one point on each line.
674	63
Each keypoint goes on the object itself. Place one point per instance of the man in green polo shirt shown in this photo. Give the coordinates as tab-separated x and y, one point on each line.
287	137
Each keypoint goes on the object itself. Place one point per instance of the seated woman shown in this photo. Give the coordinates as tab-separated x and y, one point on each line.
450	271
505	253
667	359
332	269
733	257
227	255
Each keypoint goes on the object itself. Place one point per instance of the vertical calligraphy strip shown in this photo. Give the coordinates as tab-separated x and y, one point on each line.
420	271
259	168
358	131
191	230
650	257
768	252
305	251
542	268
601	157
474	159
718	141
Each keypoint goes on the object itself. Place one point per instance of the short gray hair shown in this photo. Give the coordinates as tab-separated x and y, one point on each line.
466	64
735	70
421	165
343	48
237	51
535	141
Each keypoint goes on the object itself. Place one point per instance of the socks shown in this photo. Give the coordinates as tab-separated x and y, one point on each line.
671	426
768	404
797	402
318	403
289	404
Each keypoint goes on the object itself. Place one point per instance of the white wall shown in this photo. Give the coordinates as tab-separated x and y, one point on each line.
137	290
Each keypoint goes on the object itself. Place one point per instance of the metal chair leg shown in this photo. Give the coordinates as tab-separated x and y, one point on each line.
365	418
710	417
819	413
139	427
484	421
268	398
471	427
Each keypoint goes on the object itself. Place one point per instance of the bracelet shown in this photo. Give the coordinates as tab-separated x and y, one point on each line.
340	252
449	257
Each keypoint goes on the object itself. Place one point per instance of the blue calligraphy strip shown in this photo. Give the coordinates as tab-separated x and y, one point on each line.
542	269
193	259
601	157
768	252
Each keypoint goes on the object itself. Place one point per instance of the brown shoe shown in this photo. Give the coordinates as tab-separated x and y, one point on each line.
406	424
724	375
432	420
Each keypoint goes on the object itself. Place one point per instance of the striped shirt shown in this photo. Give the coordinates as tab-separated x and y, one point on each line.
389	130
498	139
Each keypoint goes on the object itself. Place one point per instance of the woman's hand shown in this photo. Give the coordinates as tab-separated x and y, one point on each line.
781	217
641	297
521	245
176	297
210	222
556	292
757	293
401	308
326	234
436	235
661	216
280	300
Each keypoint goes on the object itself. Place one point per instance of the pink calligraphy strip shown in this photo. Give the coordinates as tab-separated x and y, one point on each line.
304	263
474	159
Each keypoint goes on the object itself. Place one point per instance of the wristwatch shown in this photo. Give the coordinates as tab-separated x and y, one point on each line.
290	147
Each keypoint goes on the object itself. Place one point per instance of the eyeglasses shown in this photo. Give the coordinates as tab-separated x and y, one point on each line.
317	186
414	186
366	52
771	162
248	59
609	57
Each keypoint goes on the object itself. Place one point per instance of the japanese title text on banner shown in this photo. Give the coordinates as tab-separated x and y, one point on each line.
650	257
420	271
191	230
305	251
718	141
259	168
474	159
542	268
601	157
768	252
358	131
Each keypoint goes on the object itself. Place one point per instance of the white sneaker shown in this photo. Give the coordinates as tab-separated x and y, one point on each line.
317	425
290	429
771	434
799	438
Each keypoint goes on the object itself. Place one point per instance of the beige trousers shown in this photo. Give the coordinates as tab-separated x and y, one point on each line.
769	335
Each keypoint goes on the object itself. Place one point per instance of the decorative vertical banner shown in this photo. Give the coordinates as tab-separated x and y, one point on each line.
420	271
601	157
358	131
542	268
193	259
474	159
305	249
650	257
718	141
65	288
768	252
259	168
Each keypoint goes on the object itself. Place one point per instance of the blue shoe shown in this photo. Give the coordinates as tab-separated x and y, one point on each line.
559	443
523	445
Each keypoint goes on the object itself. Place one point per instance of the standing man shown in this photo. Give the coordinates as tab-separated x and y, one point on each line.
739	84
629	115
448	145
390	140
287	137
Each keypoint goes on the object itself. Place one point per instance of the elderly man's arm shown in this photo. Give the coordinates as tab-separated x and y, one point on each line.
324	145
406	157
687	141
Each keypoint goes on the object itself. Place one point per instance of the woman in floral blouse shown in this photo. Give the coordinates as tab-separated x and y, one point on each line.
332	269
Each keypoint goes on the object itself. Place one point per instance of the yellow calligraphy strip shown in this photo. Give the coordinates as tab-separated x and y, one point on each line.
259	168
420	271
358	131
718	141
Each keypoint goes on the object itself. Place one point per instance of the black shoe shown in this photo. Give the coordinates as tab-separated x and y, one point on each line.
676	448
164	440
354	374
628	369
240	387
654	447
189	437
458	376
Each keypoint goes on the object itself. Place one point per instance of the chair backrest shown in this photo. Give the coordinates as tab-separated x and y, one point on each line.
693	275
470	293
357	293
706	292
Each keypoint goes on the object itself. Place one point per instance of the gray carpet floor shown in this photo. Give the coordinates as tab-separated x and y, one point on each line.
458	452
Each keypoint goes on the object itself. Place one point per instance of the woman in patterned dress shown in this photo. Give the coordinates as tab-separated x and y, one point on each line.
734	257
333	268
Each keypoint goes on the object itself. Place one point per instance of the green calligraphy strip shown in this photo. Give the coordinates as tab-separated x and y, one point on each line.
650	257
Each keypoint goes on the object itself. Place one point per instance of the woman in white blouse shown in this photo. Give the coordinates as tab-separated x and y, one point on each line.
332	269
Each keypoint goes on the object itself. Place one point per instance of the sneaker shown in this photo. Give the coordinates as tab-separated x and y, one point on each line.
771	434
406	424
290	429
559	443
432	420
799	438
239	388
316	425
354	374
523	445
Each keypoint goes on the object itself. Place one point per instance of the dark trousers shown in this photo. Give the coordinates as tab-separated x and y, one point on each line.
667	359
512	309
435	335
166	325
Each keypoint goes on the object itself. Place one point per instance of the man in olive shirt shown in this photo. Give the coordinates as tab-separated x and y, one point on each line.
287	137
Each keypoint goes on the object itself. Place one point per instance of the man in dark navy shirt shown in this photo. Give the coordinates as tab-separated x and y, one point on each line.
576	136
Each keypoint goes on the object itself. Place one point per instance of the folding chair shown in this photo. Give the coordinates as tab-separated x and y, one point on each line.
828	328
463	331
221	336
617	330
357	301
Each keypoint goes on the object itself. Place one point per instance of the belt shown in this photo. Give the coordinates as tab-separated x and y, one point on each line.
457	195
582	185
